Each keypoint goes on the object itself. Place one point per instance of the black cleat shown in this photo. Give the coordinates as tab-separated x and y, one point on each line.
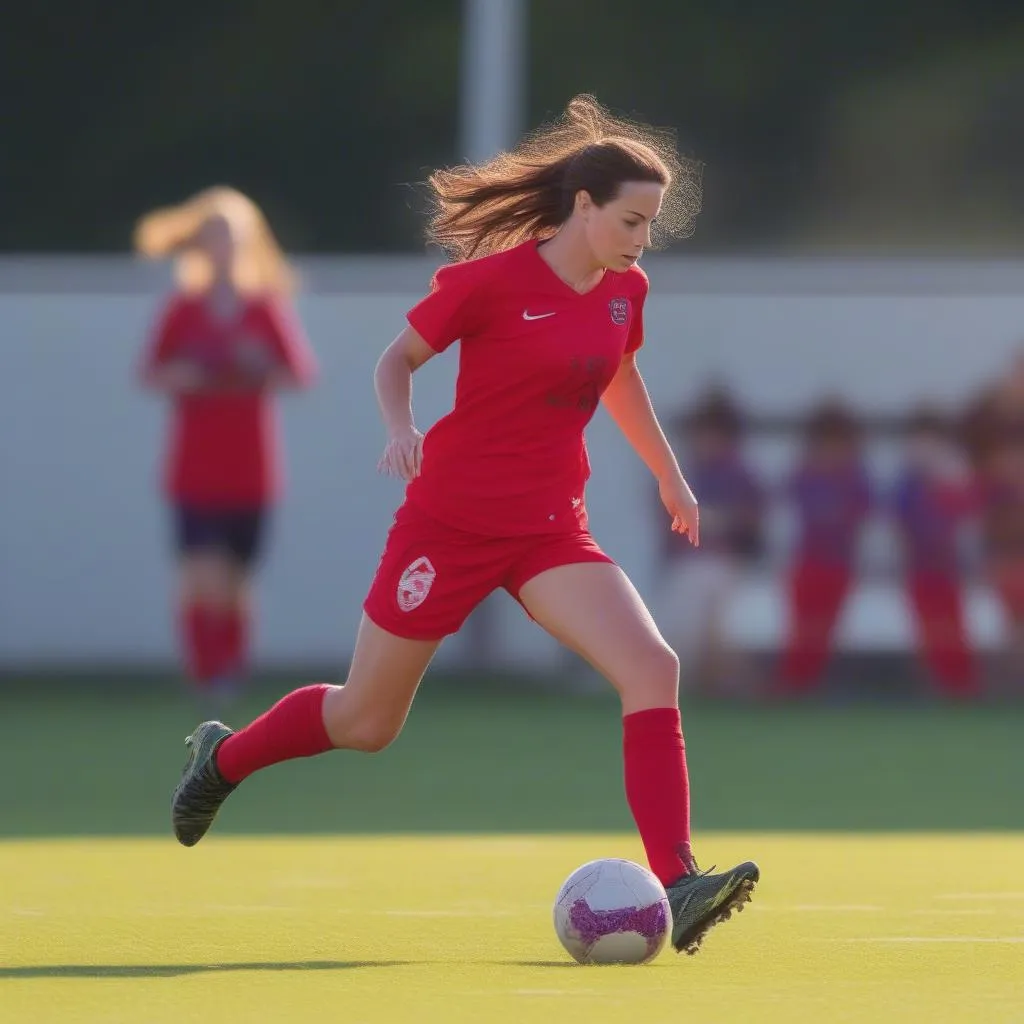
202	788
699	900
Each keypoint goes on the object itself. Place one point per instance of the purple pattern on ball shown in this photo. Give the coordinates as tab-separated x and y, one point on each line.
591	925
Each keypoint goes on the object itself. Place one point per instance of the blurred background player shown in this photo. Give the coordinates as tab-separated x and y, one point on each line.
995	437
831	493
224	343
549	319
699	583
931	499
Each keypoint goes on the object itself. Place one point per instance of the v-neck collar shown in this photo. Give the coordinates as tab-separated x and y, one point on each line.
535	248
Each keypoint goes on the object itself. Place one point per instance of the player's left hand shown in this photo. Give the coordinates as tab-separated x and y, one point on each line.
681	505
403	456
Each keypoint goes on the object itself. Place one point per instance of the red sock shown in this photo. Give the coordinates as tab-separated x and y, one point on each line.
236	640
232	641
658	789
199	639
293	727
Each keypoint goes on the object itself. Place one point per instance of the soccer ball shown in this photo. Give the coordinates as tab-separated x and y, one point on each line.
612	912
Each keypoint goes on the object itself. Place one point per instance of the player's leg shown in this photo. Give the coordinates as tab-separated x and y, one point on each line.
365	714
817	596
205	580
942	636
799	657
429	579
592	607
1006	577
242	542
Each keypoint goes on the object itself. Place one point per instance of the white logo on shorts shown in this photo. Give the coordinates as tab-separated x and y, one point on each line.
415	584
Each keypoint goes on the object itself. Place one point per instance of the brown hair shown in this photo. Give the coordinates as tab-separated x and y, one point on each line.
530	192
928	418
716	411
832	420
260	266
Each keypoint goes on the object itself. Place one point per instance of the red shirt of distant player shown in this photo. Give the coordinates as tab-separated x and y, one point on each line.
535	358
223	451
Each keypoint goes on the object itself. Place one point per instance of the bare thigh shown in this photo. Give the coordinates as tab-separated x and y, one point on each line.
368	712
596	611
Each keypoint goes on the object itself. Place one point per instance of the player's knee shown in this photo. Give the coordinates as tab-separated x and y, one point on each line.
653	678
664	670
657	674
372	736
208	579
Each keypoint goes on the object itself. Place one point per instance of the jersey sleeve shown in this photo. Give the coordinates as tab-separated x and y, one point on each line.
289	341
636	321
449	311
164	340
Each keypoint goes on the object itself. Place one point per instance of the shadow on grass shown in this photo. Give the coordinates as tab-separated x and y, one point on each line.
177	970
174	970
538	963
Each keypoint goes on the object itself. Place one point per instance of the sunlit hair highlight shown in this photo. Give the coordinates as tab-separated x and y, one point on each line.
260	265
529	192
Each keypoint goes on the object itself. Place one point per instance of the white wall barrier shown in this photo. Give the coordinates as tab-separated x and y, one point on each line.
84	566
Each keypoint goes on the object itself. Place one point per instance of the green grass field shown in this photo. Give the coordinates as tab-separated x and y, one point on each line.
368	929
417	885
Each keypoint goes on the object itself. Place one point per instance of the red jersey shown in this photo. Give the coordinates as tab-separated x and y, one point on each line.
224	443
535	358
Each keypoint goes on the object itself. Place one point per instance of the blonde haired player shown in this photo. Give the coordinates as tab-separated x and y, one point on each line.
224	343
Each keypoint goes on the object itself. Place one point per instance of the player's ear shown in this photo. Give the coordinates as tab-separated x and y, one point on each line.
584	202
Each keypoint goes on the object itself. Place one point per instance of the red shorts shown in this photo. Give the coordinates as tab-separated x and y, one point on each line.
431	576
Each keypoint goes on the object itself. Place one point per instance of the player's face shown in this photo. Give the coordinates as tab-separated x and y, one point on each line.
217	239
619	231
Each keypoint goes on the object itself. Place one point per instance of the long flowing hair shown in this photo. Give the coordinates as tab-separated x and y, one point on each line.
530	192
260	265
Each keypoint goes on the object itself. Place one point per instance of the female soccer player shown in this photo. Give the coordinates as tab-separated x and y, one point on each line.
223	344
832	493
547	300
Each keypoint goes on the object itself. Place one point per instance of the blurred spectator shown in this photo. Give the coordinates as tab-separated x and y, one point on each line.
831	490
994	431
698	584
930	501
1003	534
996	416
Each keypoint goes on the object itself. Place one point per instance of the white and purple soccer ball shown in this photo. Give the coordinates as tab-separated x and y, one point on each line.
612	912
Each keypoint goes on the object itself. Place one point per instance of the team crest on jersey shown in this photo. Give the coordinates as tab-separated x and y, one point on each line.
415	583
619	309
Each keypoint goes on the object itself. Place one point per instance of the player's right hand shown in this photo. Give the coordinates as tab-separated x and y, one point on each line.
403	455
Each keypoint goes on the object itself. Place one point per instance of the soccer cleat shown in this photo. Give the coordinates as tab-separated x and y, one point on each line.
202	788
699	900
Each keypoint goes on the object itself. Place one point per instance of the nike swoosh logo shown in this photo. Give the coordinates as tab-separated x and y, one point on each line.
538	316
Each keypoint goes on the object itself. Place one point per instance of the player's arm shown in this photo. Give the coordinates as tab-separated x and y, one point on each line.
392	380
629	405
443	316
294	367
163	368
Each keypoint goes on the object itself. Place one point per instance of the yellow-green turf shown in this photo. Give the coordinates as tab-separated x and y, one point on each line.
908	928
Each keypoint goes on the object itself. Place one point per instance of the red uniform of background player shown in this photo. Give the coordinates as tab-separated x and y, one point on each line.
930	502
832	495
550	317
224	342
